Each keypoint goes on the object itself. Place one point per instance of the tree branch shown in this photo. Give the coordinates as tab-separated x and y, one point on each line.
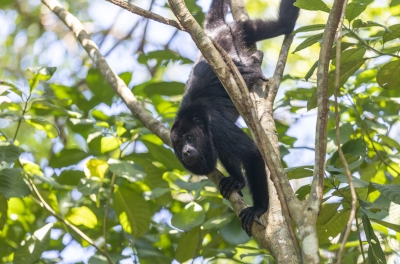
111	77
341	155
308	232
145	13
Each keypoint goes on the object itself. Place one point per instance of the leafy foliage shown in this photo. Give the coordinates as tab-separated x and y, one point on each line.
68	142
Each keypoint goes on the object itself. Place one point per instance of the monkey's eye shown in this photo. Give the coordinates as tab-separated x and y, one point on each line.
197	120
179	144
189	138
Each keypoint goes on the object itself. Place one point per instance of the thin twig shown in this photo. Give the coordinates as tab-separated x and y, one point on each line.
360	241
147	14
46	206
22	115
341	155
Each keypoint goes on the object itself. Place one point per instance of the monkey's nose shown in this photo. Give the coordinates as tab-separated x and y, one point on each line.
189	153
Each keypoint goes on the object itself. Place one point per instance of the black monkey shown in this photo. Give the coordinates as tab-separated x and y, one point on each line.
205	129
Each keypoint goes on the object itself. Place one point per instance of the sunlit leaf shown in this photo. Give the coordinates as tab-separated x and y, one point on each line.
44	125
96	167
313	5
82	216
133	211
193	215
388	77
89	186
37	74
127	169
218	221
34	246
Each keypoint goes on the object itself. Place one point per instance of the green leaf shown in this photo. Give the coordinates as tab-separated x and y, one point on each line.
346	70
310	28
89	186
346	130
388	76
34	246
394	34
6	3
36	74
299	172
354	147
50	181
233	232
82	216
9	153
354	9
188	245
313	5
127	169
163	57
164	88
69	95
3	211
331	223
373	241
358	183
218	221
193	215
44	125
133	211
70	177
390	191
354	54
373	207
309	41
311	71
387	224
12	183
67	157
394	3
103	93
100	144
163	155
390	142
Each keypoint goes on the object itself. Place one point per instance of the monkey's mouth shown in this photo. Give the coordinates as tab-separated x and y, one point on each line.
190	160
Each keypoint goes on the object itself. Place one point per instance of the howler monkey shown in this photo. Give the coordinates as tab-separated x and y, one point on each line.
205	129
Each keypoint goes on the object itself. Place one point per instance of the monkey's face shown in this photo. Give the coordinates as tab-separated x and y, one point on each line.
193	146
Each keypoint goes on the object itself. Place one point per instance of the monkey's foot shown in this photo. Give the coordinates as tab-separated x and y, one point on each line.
228	184
248	215
251	75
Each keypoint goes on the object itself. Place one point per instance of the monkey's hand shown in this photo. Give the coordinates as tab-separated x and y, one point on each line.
228	184
248	215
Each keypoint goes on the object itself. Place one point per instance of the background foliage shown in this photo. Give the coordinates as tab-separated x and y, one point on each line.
65	136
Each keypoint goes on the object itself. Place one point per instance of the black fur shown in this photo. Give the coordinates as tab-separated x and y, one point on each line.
205	129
